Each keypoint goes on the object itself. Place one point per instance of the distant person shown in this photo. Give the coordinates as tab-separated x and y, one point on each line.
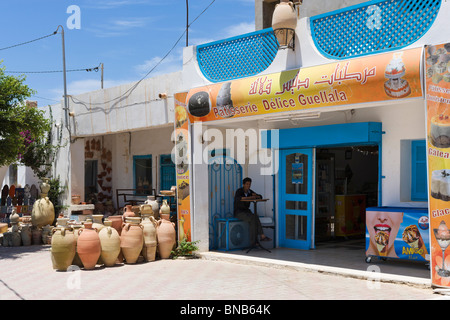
242	211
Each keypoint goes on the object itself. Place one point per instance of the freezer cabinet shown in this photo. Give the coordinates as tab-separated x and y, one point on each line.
397	232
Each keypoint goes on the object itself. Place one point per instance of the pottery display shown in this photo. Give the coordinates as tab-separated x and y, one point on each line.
164	211
110	243
117	222
43	210
284	17
25	234
88	246
166	237
149	231
132	239
128	212
63	248
155	205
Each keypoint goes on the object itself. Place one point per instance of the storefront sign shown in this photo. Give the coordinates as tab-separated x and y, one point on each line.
437	72
382	77
182	165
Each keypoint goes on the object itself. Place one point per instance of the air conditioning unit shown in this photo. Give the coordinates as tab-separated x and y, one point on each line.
233	234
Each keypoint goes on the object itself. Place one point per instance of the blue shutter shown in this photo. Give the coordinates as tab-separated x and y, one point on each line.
418	171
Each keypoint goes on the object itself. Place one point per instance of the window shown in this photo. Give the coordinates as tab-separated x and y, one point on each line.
168	178
418	171
90	180
142	172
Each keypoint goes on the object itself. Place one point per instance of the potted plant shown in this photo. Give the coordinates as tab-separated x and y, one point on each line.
185	249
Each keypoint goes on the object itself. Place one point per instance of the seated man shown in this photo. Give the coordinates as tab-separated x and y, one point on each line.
242	211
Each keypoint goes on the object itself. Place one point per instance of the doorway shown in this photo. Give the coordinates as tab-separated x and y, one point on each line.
347	182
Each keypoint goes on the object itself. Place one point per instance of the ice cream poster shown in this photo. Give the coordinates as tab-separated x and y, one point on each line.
182	161
382	77
397	233
437	74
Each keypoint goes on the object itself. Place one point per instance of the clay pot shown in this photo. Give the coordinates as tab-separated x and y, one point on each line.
110	242
155	205
128	212
97	223
284	17
166	237
117	222
76	259
132	239
63	248
149	230
15	239
88	246
26	234
36	236
43	212
14	217
47	234
164	212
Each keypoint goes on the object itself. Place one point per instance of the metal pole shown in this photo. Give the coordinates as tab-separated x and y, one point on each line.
187	22
66	105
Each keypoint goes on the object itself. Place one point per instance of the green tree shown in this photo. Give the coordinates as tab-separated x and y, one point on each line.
20	126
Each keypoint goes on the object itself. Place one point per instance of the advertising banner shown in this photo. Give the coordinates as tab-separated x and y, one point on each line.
382	77
182	167
437	71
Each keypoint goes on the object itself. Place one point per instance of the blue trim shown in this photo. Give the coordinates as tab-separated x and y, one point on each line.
346	33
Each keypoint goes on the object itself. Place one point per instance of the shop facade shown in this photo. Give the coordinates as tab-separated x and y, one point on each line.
323	133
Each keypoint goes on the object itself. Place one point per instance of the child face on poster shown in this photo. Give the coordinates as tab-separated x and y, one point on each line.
383	228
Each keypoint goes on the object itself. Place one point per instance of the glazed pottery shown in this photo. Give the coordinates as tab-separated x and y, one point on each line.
26	234
63	248
284	17
88	246
110	243
43	210
132	239
149	230
166	237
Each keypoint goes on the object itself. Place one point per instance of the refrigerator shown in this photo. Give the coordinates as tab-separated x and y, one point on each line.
397	232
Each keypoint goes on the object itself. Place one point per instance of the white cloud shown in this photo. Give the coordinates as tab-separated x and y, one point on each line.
171	64
238	29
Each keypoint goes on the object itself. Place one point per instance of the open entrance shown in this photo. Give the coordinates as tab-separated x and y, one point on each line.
347	182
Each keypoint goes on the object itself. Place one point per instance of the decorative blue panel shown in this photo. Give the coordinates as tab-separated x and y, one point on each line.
237	57
372	27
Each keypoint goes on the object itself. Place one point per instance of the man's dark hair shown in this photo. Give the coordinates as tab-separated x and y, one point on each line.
246	180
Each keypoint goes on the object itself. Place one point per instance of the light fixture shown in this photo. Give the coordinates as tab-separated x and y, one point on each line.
284	22
163	95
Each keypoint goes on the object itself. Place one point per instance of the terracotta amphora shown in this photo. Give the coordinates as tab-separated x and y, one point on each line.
26	235
116	222
155	205
63	248
132	239
76	260
128	212
149	230
166	237
110	242
164	211
89	247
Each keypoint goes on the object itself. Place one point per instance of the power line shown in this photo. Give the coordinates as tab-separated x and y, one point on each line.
27	42
57	71
132	88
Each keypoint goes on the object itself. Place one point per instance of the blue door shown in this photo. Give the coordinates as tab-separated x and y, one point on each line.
296	199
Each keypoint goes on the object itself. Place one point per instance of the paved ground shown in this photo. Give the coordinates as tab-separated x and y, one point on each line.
26	273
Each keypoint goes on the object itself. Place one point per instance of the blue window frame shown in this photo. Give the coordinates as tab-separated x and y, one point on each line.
142	174
418	171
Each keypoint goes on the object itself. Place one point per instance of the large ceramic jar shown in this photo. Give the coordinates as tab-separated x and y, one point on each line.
110	242
149	230
43	210
89	247
155	205
165	210
117	222
97	222
63	248
25	234
166	237
76	260
36	234
132	239
284	17
128	212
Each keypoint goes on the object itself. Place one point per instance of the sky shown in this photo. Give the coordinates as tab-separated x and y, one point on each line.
128	36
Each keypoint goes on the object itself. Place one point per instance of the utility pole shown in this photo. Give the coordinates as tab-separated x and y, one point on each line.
187	23
66	105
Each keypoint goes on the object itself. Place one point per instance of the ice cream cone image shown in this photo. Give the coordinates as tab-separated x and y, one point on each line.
413	238
382	241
